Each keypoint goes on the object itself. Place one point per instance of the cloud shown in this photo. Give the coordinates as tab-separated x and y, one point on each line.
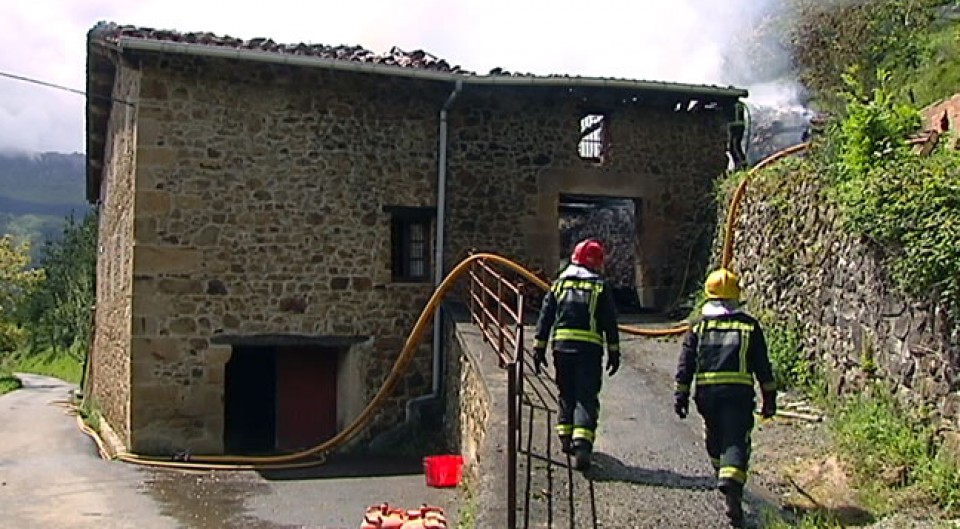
680	40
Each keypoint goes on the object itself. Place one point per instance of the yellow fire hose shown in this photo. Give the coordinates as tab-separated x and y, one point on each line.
317	455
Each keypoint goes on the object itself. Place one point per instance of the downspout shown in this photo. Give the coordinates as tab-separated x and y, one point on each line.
414	405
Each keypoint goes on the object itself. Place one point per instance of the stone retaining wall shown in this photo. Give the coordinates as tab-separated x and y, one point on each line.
798	262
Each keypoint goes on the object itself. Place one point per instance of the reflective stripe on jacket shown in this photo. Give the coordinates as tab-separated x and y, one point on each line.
724	350
578	313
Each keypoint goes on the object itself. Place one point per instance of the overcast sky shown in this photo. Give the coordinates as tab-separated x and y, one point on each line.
668	40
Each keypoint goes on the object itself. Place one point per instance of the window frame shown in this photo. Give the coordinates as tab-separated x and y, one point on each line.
597	140
403	221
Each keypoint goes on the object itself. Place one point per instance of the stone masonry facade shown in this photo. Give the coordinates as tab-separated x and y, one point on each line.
513	155
249	199
798	263
110	372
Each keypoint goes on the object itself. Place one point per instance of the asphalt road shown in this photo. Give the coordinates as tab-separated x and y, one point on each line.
650	468
52	477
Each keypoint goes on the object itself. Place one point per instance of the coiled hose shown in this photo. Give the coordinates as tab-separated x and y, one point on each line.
316	455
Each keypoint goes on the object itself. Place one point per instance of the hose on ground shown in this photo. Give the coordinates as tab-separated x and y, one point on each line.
316	455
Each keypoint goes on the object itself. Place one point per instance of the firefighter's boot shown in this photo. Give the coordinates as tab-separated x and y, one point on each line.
566	444
733	501
581	454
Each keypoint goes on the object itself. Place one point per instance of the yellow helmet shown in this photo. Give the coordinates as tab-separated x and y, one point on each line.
722	284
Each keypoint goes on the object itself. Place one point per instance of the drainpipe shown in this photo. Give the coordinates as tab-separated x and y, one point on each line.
438	272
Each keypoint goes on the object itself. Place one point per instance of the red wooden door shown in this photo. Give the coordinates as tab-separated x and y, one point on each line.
306	396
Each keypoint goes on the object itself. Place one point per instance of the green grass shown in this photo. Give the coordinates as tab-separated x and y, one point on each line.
894	453
467	515
813	520
8	382
51	364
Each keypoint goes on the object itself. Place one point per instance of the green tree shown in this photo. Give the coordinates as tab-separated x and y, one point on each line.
58	311
17	281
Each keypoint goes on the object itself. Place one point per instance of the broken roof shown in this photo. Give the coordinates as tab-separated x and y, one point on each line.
395	62
107	38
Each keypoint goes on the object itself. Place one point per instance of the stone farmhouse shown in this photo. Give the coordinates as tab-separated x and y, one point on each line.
274	217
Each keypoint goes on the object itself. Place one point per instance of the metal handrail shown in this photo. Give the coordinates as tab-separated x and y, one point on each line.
501	326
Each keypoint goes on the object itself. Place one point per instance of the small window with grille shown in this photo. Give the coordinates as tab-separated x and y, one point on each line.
410	236
594	138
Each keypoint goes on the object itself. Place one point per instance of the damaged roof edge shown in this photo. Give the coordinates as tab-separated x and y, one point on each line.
185	48
121	44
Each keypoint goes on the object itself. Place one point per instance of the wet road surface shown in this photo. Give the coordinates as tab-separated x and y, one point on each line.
51	476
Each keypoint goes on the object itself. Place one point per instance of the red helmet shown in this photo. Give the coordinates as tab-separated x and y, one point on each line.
588	253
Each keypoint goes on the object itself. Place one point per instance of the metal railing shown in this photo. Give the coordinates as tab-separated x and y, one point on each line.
496	308
500	304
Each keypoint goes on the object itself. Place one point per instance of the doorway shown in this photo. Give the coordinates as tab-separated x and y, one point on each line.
613	221
279	398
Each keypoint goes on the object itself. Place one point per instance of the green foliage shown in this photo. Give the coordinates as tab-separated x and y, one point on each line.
811	520
791	368
872	428
8	382
880	436
939	75
874	131
50	363
827	37
16	281
909	205
58	311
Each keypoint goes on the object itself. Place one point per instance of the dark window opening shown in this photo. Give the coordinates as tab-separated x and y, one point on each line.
594	138
411	248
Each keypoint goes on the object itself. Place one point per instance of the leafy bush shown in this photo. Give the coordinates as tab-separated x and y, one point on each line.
12	337
874	130
8	383
909	205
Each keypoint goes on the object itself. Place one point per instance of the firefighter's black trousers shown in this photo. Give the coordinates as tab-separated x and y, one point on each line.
728	420
578	381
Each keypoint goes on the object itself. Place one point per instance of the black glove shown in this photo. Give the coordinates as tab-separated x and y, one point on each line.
769	408
613	362
681	404
539	359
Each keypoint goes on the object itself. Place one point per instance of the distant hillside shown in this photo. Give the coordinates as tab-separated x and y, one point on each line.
37	194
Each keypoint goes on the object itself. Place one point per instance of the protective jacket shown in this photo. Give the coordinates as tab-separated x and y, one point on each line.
581	312
724	351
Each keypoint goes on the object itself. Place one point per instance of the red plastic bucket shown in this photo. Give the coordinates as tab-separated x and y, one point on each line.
443	471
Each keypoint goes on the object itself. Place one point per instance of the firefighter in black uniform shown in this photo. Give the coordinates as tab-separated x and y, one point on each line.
721	355
580	311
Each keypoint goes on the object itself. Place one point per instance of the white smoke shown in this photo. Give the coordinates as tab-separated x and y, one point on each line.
692	41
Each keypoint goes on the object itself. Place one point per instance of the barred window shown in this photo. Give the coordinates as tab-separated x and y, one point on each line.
410	256
594	137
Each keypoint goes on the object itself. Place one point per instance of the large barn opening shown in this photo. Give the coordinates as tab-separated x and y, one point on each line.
614	222
280	398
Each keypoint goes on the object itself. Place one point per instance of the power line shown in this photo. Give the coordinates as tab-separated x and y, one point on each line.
42	83
60	87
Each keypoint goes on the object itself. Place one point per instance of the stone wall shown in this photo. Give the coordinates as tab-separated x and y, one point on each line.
513	153
476	400
110	375
467	400
797	261
260	200
261	208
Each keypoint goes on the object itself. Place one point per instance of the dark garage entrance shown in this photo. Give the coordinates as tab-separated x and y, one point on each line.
279	398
